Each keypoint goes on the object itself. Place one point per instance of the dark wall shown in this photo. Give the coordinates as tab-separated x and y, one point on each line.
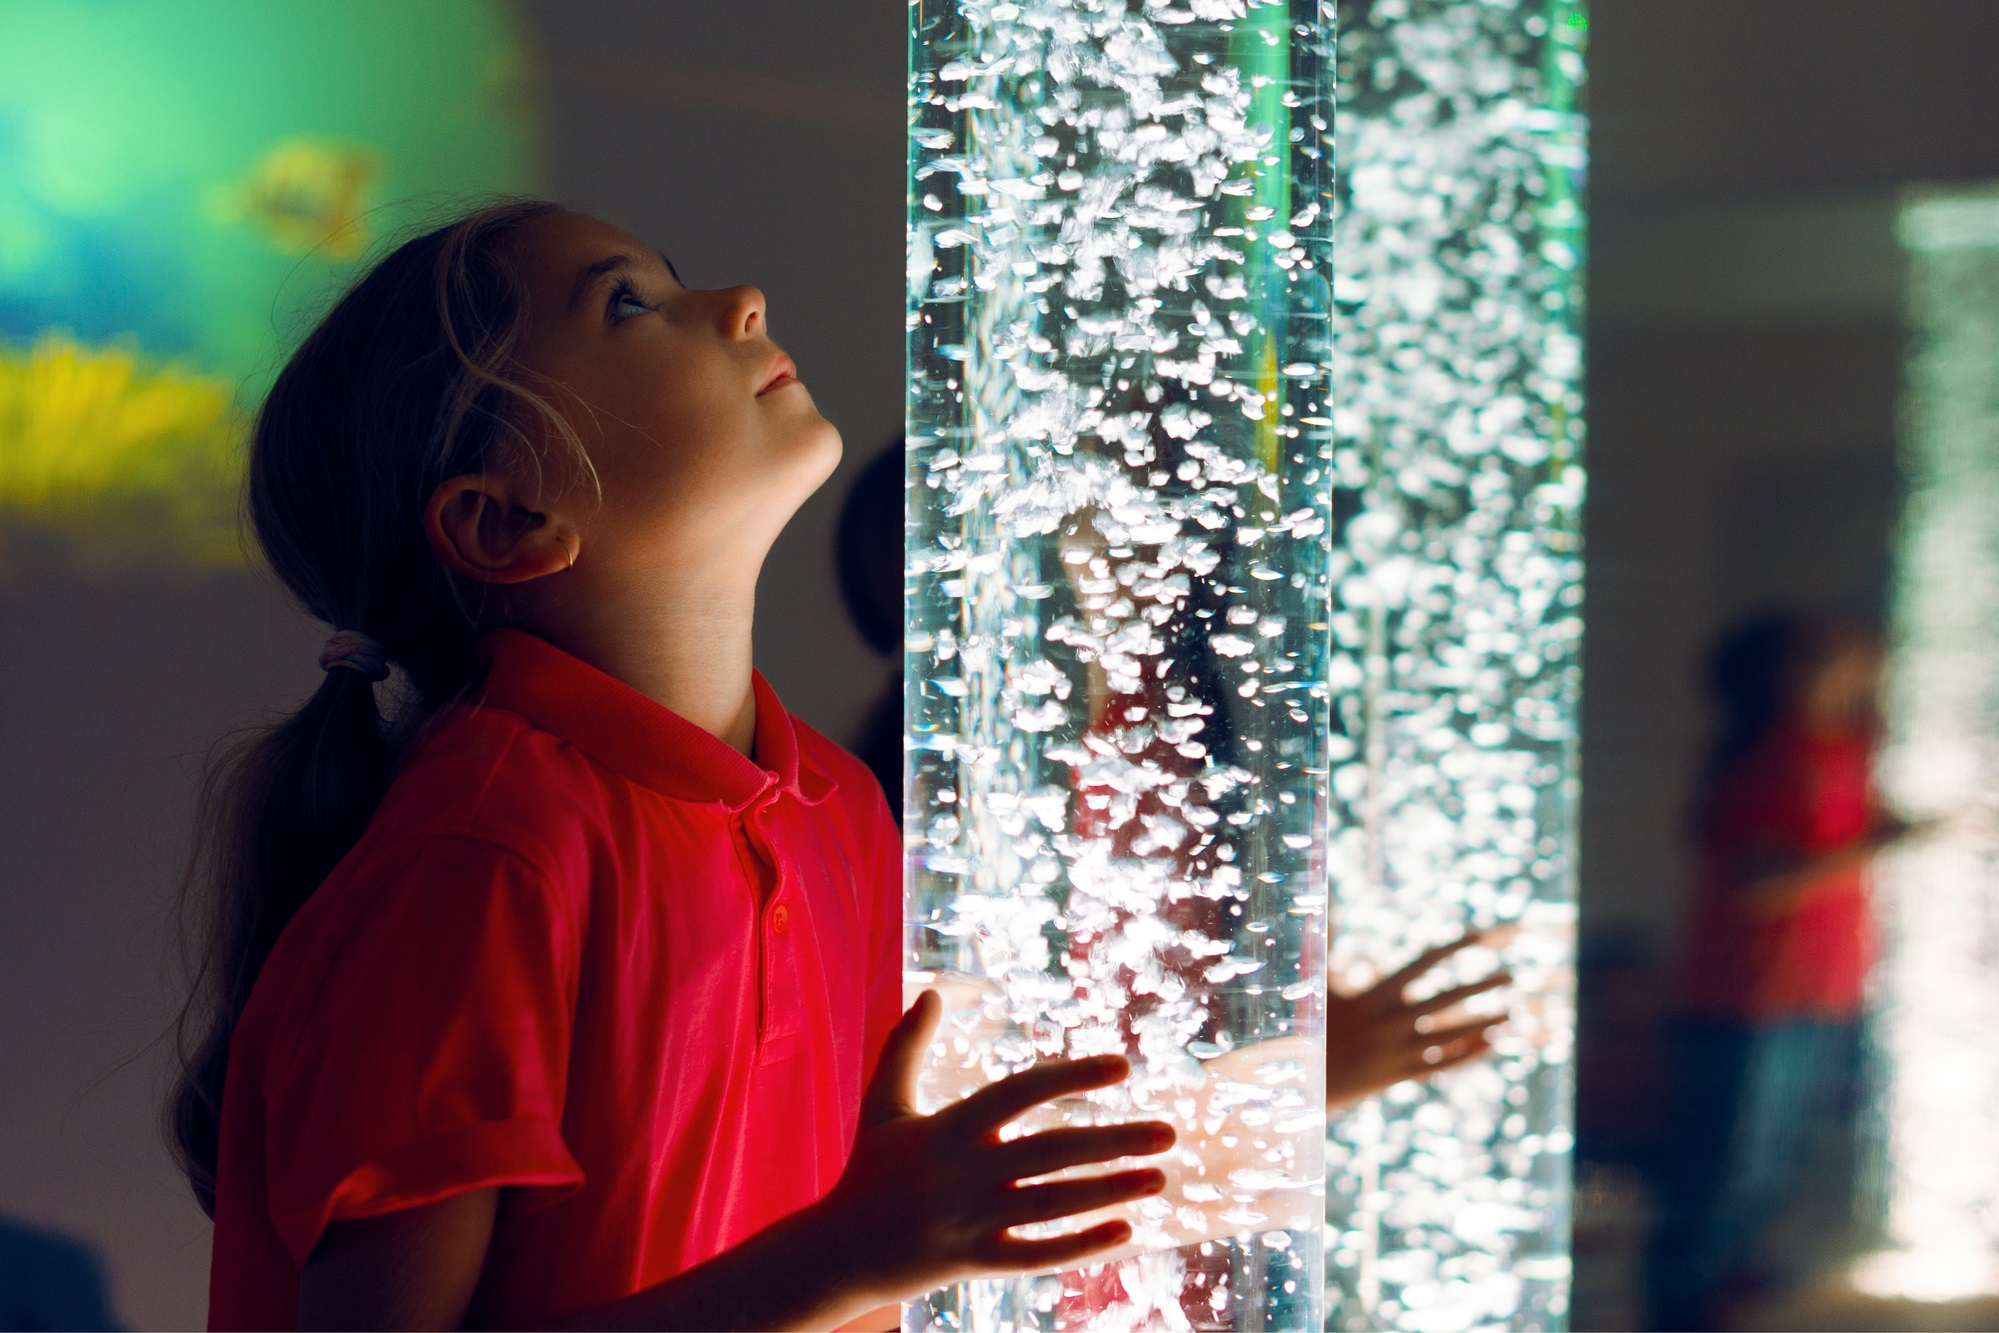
1720	99
1745	348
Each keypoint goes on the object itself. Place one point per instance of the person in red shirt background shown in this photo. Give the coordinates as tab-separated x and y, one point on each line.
1776	951
569	994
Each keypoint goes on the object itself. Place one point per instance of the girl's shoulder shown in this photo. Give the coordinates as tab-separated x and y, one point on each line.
487	833
489	775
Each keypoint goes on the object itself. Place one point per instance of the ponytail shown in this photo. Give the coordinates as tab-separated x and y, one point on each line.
407	381
276	813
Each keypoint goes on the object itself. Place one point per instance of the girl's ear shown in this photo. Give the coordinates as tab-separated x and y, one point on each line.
482	526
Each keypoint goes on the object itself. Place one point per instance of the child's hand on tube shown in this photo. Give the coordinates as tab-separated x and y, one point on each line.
928	1200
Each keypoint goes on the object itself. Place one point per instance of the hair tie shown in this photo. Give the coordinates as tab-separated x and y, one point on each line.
357	652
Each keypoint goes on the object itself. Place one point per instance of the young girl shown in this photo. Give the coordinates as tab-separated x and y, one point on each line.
569	996
1777	947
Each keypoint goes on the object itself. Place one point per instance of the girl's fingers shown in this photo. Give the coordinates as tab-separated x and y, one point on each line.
1448	1057
994	1105
1458	994
1066	1198
892	1092
1450	1036
1424	961
1059	1149
1057	1252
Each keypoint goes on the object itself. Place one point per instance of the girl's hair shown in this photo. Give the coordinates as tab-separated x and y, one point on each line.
1749	671
409	380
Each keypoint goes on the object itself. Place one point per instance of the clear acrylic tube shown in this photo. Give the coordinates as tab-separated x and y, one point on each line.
1119	481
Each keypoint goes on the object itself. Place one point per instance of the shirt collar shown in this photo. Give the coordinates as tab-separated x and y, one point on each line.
639	739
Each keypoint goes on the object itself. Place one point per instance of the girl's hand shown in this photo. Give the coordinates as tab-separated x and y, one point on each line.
924	1202
1378	1038
927	1200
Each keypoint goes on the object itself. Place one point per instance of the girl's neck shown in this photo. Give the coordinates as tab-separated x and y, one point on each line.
1827	724
688	653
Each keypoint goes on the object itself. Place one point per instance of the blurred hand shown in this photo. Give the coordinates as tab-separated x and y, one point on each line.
1379	1037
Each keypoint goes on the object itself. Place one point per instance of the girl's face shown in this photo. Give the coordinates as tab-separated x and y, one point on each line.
703	439
1841	689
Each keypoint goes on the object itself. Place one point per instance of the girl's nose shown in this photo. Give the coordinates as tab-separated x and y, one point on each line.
741	312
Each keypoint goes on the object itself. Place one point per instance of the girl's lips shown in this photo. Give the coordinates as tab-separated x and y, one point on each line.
782	372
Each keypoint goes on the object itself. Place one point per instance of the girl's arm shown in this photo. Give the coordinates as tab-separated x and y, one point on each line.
1778	882
925	1201
411	1269
418	1269
1375	1039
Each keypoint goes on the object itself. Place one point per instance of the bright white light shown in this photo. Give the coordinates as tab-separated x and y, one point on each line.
1927	1275
1940	895
1456	634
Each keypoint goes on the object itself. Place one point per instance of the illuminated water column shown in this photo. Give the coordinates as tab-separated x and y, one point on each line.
1119	504
1457	573
1941	894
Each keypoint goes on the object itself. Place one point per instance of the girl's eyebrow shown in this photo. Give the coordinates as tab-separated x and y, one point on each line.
590	274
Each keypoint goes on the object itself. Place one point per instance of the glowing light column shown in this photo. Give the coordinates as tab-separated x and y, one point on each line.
1941	894
1457	597
1119	501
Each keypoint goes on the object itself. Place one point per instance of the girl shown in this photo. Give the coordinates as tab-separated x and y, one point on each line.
569	996
1776	951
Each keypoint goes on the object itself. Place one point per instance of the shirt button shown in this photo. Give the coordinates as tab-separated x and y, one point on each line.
780	918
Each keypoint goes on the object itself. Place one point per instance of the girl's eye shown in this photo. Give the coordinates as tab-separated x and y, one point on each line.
624	305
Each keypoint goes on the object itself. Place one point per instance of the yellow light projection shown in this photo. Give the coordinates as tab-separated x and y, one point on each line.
101	441
309	195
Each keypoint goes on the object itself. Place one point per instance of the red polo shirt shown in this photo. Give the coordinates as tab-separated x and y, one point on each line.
585	951
1808	795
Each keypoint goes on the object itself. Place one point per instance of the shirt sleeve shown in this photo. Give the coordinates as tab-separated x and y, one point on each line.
432	1056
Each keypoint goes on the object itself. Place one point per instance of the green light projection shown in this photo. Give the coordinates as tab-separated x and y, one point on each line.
183	183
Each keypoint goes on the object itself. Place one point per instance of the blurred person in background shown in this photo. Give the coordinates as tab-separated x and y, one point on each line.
1776	950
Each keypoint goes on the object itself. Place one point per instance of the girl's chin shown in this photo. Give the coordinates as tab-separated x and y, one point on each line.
792	469
817	449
